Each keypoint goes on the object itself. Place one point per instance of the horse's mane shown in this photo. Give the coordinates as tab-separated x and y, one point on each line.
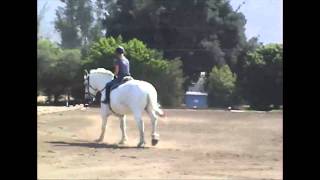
101	71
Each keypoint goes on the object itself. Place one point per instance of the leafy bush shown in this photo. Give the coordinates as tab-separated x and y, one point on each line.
221	86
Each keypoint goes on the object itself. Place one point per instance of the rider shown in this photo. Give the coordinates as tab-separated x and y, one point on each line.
122	69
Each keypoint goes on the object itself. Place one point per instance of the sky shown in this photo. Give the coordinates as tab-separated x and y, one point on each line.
264	19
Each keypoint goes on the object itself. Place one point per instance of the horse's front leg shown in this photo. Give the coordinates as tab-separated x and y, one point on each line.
103	129
123	128
104	116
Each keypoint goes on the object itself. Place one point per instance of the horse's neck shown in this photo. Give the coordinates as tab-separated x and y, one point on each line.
100	81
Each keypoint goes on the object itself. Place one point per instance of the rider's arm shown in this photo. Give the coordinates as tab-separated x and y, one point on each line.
116	70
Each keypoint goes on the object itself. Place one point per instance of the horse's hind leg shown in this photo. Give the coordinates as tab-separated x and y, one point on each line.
140	124
154	121
123	128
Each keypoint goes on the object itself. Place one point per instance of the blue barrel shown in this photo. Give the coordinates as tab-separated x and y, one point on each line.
196	100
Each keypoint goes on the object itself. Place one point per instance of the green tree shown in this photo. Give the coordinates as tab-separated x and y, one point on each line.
69	73
40	16
76	23
85	20
47	55
240	69
221	86
202	33
263	82
59	71
67	25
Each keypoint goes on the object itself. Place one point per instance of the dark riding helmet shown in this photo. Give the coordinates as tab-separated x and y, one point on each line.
120	50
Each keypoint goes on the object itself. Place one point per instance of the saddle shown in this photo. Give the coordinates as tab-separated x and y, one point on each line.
114	86
124	80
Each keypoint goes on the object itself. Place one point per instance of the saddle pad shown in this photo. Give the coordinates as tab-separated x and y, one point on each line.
124	80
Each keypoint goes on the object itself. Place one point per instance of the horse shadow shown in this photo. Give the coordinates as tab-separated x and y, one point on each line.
93	145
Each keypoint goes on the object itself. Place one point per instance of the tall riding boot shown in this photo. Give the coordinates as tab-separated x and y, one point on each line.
107	98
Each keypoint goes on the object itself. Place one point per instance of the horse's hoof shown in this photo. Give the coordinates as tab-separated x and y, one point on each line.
140	145
122	142
154	142
155	139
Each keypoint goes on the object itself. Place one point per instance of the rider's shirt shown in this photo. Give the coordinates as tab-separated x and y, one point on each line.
124	67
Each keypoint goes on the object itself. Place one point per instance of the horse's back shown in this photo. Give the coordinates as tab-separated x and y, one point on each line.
132	94
137	88
137	84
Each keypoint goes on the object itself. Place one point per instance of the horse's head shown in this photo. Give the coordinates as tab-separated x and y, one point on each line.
89	93
94	82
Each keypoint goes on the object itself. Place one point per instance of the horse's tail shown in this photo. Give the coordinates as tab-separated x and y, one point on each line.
152	101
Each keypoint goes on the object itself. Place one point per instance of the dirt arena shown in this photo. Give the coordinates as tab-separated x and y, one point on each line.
194	144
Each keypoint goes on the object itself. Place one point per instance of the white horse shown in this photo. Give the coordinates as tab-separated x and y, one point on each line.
133	97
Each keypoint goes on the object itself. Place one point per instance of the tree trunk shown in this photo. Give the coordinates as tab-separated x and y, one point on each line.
56	99
68	98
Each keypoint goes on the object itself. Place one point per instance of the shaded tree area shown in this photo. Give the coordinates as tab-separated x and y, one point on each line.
202	33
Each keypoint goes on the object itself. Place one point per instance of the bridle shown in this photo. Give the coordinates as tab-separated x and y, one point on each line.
92	96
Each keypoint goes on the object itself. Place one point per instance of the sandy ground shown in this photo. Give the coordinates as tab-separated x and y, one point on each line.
203	144
41	110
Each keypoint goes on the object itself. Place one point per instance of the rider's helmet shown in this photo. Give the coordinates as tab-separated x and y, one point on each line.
119	50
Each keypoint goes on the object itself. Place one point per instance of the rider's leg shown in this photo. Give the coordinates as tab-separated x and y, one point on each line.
108	88
107	98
